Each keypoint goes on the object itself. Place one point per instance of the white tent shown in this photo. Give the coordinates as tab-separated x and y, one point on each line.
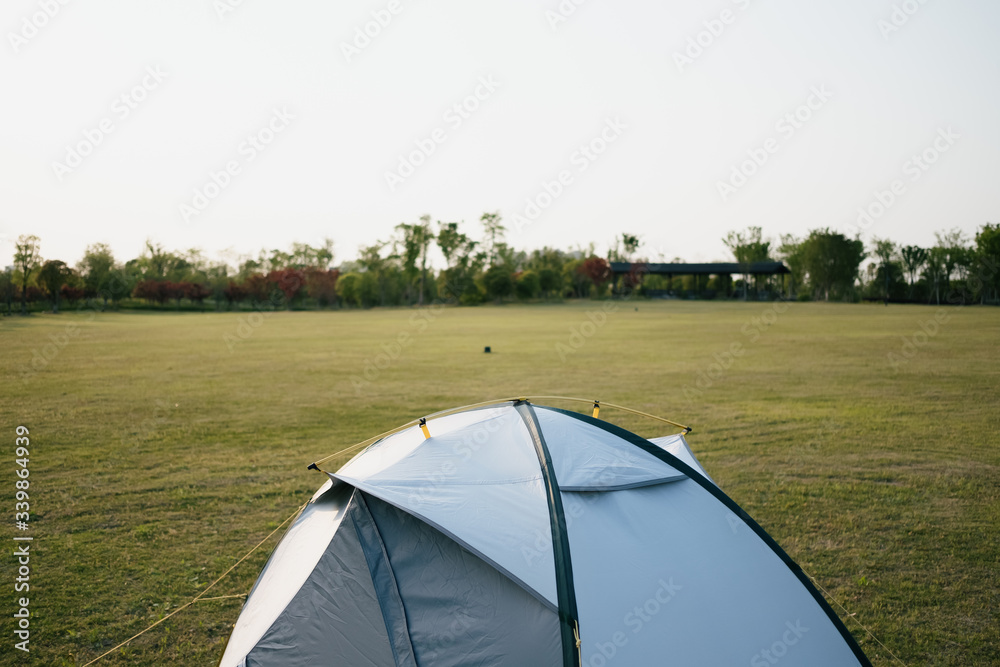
517	534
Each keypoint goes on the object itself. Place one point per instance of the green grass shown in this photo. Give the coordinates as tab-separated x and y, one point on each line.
160	455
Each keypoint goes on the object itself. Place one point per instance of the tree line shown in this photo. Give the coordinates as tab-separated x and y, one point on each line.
823	265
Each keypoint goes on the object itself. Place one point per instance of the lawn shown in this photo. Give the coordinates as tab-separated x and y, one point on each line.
165	446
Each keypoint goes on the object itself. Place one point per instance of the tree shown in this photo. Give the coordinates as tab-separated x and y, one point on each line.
305	256
348	288
549	281
624	248
935	267
498	282
954	254
196	293
885	250
913	260
597	269
371	259
493	230
463	263
790	252
234	293
415	240
527	284
831	260
988	260
26	258
96	268
289	281
322	285
747	247
53	275
7	287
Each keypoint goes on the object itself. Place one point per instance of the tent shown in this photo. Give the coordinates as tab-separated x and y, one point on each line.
519	534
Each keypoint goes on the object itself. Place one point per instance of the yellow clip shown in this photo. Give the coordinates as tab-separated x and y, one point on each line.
423	427
597	409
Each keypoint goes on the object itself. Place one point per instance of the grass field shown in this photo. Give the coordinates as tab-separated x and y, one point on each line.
165	446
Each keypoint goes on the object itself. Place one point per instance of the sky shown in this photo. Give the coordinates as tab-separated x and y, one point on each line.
237	125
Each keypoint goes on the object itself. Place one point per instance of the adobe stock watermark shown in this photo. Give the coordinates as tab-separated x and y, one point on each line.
912	344
581	333
563	11
786	126
635	620
224	8
706	38
46	353
32	24
456	115
899	17
249	150
365	33
121	109
914	168
771	655
582	158
752	330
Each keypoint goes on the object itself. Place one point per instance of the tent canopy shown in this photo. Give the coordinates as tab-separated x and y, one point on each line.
519	534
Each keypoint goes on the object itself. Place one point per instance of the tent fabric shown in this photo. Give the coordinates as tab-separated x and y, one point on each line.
588	459
336	611
384	581
290	564
694	561
479	483
510	529
460	610
678	446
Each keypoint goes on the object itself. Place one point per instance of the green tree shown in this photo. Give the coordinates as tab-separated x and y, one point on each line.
624	248
498	282
96	268
790	252
988	261
376	266
527	285
27	257
913	258
831	261
7	287
935	268
548	264
53	275
457	281
549	281
747	247
415	240
494	233
348	288
885	250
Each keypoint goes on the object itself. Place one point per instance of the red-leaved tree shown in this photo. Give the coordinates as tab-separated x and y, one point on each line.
597	269
322	285
289	281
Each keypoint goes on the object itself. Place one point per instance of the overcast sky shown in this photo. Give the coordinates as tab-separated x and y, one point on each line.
234	125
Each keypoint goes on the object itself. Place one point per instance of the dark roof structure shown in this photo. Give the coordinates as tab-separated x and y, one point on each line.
754	268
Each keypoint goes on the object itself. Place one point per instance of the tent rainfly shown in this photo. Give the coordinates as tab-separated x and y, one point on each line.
517	534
